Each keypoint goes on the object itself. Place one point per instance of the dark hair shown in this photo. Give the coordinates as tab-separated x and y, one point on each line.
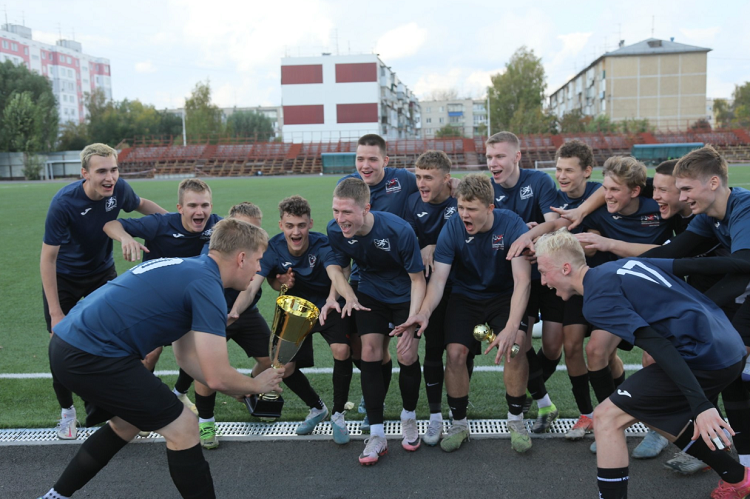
296	206
667	167
576	149
434	160
373	139
702	164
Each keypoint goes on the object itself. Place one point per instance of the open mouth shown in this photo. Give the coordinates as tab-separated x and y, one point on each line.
469	226
199	222
296	240
346	229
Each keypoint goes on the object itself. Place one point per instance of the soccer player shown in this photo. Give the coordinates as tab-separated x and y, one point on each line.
76	255
392	286
696	350
472	249
305	261
428	211
172	235
97	354
530	194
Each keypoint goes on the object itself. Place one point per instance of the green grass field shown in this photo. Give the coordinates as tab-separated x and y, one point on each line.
24	339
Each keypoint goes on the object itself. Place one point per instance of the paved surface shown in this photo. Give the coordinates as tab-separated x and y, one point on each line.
554	468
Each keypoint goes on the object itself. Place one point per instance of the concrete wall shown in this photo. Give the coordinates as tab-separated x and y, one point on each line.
57	164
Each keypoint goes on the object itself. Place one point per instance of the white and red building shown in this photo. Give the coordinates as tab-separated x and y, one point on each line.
341	97
72	72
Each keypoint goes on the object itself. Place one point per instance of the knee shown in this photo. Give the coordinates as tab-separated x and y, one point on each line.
606	416
289	369
456	355
340	351
597	352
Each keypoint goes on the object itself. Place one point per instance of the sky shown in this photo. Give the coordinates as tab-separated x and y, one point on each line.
159	49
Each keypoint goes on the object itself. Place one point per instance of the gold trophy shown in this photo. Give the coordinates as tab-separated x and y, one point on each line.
483	332
293	320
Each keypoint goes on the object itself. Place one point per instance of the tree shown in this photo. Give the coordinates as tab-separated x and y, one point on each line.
723	113
73	136
602	124
16	80
444	94
533	120
448	131
519	89
202	118
741	105
22	127
250	124
573	122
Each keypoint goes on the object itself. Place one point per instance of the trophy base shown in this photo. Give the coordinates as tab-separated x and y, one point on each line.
263	408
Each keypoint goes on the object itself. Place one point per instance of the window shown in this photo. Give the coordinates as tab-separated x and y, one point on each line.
50	55
442	120
428	120
86	69
26	51
70	61
106	69
35	57
76	62
441	109
5	44
455	119
428	110
14	47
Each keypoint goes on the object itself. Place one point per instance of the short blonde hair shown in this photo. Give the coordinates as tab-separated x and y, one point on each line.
627	170
476	186
231	235
702	164
246	209
563	243
192	185
508	137
97	149
353	188
434	160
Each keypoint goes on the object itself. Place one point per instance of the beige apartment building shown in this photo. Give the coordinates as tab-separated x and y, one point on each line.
659	80
466	115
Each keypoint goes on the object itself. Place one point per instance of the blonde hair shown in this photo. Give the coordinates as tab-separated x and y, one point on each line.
193	185
231	235
353	188
508	137
702	164
97	149
476	186
561	242
246	209
434	160
627	170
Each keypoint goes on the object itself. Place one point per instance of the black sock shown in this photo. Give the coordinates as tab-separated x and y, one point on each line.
64	396
470	364
184	380
458	406
342	379
720	461
387	372
602	383
93	455
581	393
535	384
190	473
549	366
613	482
515	404
619	380
737	406
433	380
357	363
373	390
300	385
205	405
409	381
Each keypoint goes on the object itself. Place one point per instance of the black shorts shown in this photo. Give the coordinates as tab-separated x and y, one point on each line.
741	321
380	316
464	313
573	312
114	386
337	329
71	289
650	395
543	299
251	332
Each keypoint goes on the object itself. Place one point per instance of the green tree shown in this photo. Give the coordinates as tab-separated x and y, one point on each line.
533	120
518	93
73	136
741	105
448	131
250	124
602	124
573	122
723	113
22	129
16	80
202	118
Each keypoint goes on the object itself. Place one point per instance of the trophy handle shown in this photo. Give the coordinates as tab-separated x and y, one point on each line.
283	290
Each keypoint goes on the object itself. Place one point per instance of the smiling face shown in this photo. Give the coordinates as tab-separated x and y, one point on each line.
571	176
502	161
195	209
556	276
667	196
296	231
618	196
101	177
349	215
370	164
698	194
433	185
476	216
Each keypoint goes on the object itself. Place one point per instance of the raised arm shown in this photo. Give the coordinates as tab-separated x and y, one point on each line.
147	207
131	249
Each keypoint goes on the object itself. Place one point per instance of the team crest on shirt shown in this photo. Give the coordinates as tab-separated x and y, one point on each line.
497	242
311	259
650	220
383	244
392	185
526	192
207	233
449	211
111	203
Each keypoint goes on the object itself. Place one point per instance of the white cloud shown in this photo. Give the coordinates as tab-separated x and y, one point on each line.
572	45
145	67
401	42
700	35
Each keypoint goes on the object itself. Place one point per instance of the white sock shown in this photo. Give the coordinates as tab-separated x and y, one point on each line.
590	415
177	392
461	422
53	494
377	430
408	414
515	417
210	420
315	411
745	460
69	413
544	402
436	416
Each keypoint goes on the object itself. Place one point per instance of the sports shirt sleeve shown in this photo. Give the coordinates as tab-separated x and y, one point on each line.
130	200
445	252
56	225
701	225
547	194
739	229
269	262
145	227
408	249
331	257
606	309
209	307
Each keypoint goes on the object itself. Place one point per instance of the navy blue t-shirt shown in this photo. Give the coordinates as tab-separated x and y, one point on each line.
631	293
385	256
166	237
151	305
531	198
428	219
75	222
479	269
311	280
391	193
645	226
230	295
734	231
